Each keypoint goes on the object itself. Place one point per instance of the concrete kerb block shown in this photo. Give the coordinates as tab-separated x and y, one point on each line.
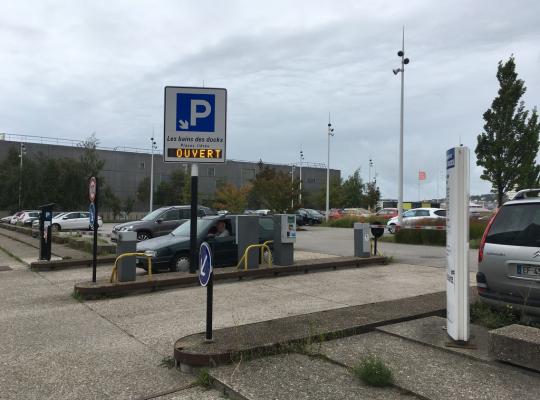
516	344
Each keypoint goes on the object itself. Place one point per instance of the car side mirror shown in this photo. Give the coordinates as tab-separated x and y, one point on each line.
159	221
64	218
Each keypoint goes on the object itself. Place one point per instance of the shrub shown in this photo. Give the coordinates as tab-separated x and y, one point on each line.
372	371
349	221
417	236
484	315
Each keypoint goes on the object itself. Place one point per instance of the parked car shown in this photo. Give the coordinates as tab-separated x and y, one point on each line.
415	215
27	217
335	213
35	223
509	255
6	220
75	220
15	217
311	216
387	213
160	222
172	250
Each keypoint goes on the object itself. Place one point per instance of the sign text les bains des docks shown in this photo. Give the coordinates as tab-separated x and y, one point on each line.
195	127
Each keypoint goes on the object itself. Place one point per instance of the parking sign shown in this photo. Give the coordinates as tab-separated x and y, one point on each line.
195	124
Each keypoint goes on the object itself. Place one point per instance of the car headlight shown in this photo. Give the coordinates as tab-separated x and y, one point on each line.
126	228
150	253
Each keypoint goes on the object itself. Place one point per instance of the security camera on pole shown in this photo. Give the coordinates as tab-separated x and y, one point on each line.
300	191
330	133
404	61
154	147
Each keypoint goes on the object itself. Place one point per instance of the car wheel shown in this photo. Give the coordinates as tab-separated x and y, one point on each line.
180	263
55	227
143	235
392	228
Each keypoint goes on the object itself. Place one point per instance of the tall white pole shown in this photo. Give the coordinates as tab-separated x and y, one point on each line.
152	173
152	180
328	171
20	174
400	198
300	192
292	186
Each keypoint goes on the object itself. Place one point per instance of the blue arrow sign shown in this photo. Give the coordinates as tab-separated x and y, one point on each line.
205	264
92	216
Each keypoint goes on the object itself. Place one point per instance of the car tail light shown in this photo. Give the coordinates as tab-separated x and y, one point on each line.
484	236
481	282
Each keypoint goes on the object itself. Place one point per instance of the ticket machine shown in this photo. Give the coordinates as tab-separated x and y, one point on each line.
45	231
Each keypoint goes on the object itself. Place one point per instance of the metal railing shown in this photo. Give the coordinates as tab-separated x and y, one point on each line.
114	273
263	246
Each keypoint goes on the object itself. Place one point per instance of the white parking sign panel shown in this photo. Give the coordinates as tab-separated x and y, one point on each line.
195	125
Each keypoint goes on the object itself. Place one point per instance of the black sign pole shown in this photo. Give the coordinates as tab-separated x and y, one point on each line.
96	225
193	256
209	306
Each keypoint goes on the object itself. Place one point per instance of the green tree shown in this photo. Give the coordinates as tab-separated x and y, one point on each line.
352	190
231	198
371	197
143	190
508	146
129	203
337	199
175	190
529	174
273	190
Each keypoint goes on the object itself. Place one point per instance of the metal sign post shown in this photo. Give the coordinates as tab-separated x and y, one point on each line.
93	194
457	244
206	278
194	131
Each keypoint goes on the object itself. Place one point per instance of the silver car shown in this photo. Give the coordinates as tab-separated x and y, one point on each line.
509	255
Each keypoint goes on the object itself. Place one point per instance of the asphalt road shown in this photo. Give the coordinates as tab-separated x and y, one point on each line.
339	241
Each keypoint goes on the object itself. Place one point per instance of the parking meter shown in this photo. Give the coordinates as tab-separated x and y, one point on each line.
45	231
284	239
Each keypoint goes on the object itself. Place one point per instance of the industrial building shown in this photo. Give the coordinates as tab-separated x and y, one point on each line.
125	168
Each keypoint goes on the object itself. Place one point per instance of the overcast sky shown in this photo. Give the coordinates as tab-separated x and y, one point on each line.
69	68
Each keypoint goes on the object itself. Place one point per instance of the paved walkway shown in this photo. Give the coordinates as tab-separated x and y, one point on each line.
54	347
27	247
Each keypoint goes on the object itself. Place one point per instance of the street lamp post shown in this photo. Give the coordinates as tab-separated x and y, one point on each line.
154	146
21	153
292	187
330	133
404	61
300	192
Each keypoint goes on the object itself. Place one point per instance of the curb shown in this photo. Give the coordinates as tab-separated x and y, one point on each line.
193	351
63	264
175	279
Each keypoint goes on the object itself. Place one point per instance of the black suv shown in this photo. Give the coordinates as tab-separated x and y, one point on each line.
160	222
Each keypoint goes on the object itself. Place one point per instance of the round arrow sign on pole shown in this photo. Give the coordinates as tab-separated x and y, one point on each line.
205	277
205	264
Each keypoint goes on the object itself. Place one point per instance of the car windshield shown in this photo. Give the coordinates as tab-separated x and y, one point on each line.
516	225
184	229
153	215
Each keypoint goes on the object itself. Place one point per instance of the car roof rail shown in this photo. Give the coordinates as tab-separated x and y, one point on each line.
526	193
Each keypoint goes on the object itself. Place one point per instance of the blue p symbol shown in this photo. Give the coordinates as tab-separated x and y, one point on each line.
195	112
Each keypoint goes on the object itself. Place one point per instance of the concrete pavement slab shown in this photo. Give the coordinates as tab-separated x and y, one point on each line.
54	347
295	377
432	331
193	393
433	373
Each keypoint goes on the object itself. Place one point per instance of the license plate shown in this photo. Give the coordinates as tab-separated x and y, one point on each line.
528	270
